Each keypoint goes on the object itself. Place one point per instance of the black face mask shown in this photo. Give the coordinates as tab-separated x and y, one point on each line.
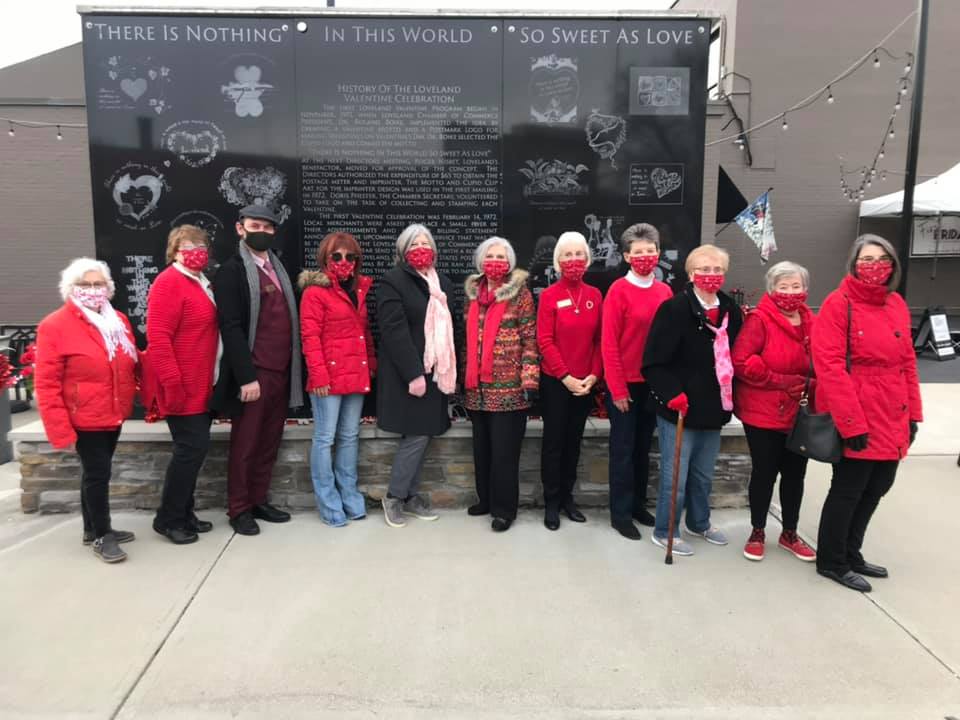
259	241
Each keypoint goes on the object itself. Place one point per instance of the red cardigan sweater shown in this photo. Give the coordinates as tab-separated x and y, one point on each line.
569	340
182	340
628	312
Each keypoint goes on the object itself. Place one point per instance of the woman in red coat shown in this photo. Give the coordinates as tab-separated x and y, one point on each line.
340	361
874	398
771	362
180	366
85	383
568	333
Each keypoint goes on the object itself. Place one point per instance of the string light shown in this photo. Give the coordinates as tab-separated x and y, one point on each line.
59	134
10	132
881	154
830	95
876	60
892	133
784	126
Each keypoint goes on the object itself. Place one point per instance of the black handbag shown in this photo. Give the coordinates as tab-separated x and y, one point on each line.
814	435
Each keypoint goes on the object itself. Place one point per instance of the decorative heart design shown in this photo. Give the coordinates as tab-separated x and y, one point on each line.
665	182
142	192
188	143
134	88
248	75
605	134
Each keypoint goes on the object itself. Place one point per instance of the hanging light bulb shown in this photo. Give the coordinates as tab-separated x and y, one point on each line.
882	153
784	126
876	59
909	66
873	172
892	133
59	134
10	132
869	183
896	105
884	176
829	95
903	88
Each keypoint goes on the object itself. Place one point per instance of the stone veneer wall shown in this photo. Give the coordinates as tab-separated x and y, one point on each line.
50	480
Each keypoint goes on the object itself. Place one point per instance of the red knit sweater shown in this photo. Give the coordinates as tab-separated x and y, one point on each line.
628	312
182	339
569	340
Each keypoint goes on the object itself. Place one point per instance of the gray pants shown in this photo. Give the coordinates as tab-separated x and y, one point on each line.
407	464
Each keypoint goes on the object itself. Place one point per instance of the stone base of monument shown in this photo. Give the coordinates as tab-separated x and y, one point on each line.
50	480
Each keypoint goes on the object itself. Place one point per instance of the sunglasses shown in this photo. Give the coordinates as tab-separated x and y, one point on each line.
339	256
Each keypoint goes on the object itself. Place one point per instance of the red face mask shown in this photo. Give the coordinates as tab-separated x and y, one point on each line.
195	259
573	270
708	282
496	270
420	258
788	302
875	272
643	265
341	269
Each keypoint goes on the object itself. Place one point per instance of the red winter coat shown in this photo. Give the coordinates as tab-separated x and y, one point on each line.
771	359
182	340
336	335
881	393
77	386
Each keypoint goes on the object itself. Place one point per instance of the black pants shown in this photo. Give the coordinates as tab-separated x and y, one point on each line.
629	470
855	492
770	457
191	440
497	437
564	417
95	448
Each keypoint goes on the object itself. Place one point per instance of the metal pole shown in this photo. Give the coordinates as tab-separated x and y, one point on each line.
913	145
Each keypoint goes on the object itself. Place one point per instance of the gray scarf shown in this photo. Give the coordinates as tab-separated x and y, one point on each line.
253	281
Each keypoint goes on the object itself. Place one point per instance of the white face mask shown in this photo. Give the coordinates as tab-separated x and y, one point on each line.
91	297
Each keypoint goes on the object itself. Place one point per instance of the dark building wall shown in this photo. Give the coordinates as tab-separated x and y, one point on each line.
788	49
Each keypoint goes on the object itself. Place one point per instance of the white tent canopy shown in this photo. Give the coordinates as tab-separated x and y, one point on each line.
937	196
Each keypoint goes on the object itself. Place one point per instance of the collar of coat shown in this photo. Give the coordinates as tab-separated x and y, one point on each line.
508	289
769	308
320	278
726	303
860	291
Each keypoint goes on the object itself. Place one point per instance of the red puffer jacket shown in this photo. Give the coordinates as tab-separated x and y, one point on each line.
336	335
881	393
771	359
77	386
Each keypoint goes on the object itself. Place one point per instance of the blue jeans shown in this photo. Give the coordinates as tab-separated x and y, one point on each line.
335	480
698	456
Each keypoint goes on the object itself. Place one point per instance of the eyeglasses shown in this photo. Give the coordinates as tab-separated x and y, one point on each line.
97	284
339	256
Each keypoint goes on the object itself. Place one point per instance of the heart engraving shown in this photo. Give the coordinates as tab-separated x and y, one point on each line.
134	88
137	197
665	182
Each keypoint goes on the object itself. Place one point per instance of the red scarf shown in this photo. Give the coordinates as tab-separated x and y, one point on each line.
482	371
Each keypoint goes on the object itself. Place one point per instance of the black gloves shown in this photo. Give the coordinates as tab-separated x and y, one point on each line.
857	442
913	431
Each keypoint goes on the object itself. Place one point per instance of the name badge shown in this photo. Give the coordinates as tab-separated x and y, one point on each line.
564	303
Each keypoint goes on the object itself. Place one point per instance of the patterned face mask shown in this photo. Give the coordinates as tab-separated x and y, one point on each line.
643	265
341	269
708	282
420	258
91	297
875	272
788	302
496	270
195	259
573	270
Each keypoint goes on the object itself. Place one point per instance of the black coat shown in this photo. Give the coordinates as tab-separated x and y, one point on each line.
678	358
401	297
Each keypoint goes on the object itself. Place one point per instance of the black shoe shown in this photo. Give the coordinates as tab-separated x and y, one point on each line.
478	509
870	570
107	549
501	524
244	524
551	518
195	524
848	579
270	513
122	536
645	517
628	530
177	536
571	510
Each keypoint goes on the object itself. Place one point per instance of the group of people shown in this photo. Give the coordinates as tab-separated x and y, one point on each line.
237	348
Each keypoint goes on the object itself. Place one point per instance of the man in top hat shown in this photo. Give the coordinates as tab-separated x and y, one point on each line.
260	373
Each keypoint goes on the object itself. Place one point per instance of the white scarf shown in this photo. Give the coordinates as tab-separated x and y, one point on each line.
112	329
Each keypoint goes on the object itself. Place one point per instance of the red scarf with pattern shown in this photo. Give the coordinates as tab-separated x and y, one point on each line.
480	369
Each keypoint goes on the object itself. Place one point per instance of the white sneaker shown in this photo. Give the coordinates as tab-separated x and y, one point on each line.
679	546
712	535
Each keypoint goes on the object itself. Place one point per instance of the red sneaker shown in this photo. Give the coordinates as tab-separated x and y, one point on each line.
753	550
791	542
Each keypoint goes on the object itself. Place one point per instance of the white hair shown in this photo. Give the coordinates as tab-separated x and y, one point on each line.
783	269
74	272
570	238
484	247
409	234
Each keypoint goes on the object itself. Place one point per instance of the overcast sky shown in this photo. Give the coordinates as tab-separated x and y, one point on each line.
33	27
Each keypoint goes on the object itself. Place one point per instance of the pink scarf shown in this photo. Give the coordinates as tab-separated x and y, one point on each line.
438	351
722	363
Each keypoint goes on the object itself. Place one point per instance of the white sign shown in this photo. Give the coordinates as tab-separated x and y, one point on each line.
936	235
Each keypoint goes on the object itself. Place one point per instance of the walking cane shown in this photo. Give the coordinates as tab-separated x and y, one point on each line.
673	489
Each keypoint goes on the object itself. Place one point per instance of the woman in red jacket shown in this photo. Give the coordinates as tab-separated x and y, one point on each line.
771	362
568	333
180	366
874	398
85	383
628	312
340	361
